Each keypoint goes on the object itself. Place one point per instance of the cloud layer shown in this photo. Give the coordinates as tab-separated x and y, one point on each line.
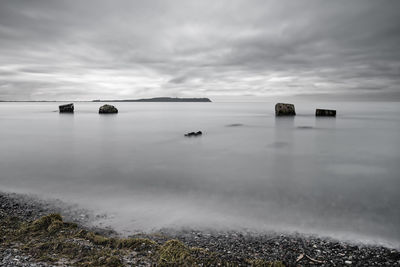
82	50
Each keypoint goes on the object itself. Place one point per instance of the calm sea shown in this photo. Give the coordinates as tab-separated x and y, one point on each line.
250	171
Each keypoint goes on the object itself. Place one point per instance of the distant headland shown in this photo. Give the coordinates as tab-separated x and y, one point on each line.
155	99
159	99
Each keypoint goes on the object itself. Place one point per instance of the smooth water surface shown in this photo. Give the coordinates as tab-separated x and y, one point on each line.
335	177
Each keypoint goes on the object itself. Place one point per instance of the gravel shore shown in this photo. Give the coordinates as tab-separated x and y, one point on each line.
233	247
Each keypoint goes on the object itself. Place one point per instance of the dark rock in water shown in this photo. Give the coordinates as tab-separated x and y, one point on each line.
67	108
325	112
234	125
106	109
193	134
283	109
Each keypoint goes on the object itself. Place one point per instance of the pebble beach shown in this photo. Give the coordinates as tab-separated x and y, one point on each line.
234	248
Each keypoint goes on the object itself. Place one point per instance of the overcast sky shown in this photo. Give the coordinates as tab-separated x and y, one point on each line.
83	50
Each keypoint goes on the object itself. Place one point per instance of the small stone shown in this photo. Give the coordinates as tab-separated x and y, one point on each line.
194	134
348	262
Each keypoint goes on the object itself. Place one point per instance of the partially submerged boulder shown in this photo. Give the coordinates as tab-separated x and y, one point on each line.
108	109
325	112
283	109
67	108
193	134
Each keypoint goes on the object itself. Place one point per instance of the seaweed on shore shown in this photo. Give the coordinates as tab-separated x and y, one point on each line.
50	239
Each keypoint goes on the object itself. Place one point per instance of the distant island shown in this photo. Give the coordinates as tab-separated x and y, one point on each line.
155	99
159	99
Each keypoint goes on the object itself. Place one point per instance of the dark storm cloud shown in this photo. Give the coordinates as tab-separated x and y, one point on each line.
128	49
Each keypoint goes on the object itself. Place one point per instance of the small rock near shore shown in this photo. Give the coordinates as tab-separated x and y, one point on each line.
193	134
67	108
283	109
107	109
325	112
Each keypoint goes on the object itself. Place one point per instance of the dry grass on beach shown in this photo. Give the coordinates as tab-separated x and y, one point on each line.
51	240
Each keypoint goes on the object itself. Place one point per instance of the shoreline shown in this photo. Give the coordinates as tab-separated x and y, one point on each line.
238	249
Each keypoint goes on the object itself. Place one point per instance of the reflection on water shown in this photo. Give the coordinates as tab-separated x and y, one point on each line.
248	171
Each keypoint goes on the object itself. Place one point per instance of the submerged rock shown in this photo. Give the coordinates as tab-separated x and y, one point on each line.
105	109
66	108
234	125
193	134
325	112
283	109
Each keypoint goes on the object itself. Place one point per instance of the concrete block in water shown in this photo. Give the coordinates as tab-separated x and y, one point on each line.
325	112
66	108
283	109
